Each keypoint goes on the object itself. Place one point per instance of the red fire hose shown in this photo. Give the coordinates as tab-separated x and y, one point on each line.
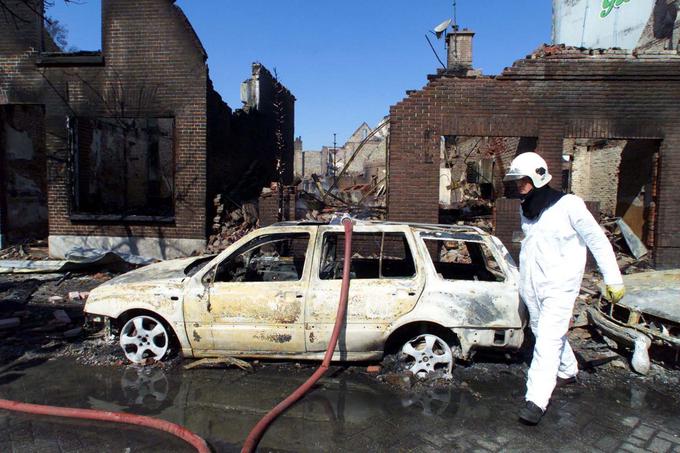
259	429
117	417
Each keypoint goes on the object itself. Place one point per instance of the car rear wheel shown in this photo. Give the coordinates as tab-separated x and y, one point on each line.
144	337
426	354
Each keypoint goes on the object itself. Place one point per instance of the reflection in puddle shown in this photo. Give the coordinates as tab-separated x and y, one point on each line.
223	405
144	386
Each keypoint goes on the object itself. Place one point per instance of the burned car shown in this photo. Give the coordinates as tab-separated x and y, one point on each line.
648	314
433	292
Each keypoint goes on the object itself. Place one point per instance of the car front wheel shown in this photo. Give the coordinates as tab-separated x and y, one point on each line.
144	337
426	354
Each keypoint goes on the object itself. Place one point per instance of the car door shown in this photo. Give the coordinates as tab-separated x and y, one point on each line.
476	280
385	284
257	294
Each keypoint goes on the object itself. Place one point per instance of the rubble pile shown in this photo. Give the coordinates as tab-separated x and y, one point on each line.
326	215
631	254
230	226
35	329
29	250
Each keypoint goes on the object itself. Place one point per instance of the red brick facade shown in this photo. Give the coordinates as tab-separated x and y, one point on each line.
151	66
609	95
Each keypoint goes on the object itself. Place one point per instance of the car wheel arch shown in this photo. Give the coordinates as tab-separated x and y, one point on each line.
405	332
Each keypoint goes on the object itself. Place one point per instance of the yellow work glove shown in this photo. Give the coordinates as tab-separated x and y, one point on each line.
614	293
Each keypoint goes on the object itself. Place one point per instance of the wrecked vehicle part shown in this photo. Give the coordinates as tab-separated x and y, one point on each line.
75	260
143	338
426	354
636	246
271	293
626	336
649	307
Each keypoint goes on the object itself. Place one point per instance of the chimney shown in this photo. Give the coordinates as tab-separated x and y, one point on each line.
459	46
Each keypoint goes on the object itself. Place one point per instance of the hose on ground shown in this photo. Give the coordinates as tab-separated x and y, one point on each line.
258	431
116	417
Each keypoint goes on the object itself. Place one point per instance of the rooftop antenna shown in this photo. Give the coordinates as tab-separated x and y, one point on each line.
455	29
335	153
440	30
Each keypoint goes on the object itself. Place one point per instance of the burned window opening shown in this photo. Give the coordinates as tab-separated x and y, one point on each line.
471	173
375	256
463	260
122	167
270	258
621	175
61	18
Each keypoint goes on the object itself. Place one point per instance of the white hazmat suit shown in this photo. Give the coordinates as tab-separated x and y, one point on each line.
552	261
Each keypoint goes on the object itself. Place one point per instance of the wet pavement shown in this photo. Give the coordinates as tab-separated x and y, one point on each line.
608	410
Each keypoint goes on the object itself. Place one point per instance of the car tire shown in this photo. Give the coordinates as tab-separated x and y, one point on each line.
427	354
144	338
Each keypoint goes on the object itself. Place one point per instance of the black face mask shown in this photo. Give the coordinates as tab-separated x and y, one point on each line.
538	200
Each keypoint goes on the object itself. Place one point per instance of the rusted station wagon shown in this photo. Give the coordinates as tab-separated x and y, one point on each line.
433	292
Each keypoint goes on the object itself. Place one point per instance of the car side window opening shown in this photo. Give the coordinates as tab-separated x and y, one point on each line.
268	258
463	260
374	256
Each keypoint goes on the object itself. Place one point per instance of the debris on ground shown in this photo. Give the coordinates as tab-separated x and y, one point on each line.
28	250
82	260
214	362
373	369
8	323
631	253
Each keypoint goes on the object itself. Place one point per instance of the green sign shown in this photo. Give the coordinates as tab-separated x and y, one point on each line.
609	5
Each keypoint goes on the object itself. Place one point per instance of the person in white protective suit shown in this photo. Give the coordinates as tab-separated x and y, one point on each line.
557	228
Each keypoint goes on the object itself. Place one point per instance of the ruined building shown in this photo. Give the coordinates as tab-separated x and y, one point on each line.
361	159
606	121
124	148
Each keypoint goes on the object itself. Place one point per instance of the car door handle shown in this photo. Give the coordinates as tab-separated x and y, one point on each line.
401	292
291	295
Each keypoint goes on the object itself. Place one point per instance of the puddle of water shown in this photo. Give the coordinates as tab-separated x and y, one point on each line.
349	411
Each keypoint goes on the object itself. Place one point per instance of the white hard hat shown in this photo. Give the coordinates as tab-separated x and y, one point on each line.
529	165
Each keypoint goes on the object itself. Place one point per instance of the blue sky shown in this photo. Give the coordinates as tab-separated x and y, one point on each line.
345	61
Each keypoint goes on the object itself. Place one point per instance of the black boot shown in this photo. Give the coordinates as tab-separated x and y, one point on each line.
530	414
561	382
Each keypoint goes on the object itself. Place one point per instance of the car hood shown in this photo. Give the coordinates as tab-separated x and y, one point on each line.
655	293
170	271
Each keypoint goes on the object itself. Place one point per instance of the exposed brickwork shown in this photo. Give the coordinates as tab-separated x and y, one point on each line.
552	98
152	64
507	224
268	206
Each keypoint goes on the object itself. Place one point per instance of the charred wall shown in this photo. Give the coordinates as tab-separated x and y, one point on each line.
23	179
550	97
151	68
251	147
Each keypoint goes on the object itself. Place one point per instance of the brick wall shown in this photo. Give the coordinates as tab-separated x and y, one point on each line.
23	178
551	98
154	67
268	206
595	173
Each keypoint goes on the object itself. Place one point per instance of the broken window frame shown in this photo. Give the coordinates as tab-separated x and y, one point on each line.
339	264
73	165
260	242
500	273
72	58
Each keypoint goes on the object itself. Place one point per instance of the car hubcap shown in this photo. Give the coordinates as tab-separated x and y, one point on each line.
426	354
142	338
